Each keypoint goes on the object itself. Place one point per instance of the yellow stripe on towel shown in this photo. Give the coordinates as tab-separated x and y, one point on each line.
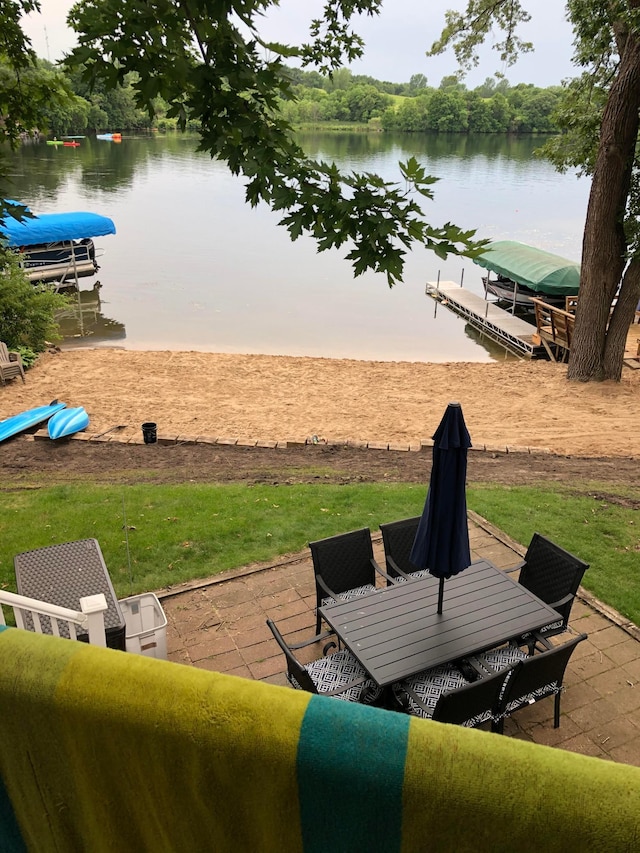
476	792
185	759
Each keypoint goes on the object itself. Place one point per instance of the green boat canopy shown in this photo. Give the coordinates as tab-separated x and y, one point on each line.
535	268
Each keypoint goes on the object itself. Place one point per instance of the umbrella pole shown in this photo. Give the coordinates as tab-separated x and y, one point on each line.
440	595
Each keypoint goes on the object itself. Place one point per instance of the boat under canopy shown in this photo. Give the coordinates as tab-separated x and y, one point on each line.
524	271
57	246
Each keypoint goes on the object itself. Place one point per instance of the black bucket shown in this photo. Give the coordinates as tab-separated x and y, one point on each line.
149	433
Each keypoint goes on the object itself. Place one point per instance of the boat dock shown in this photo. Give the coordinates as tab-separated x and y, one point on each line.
513	333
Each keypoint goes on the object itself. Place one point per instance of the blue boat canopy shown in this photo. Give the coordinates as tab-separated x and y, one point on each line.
55	228
535	268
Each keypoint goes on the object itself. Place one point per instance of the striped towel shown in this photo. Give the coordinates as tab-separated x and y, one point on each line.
101	750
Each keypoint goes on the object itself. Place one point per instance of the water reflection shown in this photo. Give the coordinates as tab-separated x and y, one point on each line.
82	322
357	146
493	349
192	266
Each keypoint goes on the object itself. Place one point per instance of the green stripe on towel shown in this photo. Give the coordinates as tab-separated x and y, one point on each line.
10	837
364	748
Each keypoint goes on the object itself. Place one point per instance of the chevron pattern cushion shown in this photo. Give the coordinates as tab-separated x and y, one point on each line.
498	659
548	690
554	627
338	670
421	573
429	687
357	592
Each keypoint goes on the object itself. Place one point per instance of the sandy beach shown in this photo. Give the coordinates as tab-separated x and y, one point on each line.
275	398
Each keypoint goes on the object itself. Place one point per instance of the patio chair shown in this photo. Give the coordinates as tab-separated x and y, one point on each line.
344	568
10	364
554	575
443	694
398	537
530	677
338	674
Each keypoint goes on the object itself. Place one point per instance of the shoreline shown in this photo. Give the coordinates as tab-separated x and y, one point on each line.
222	396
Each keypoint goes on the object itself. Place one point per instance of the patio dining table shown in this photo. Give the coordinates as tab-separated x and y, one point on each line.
396	631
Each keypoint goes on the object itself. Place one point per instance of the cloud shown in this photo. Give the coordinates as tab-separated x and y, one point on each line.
396	40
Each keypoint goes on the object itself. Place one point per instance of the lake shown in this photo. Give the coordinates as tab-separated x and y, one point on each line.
192	267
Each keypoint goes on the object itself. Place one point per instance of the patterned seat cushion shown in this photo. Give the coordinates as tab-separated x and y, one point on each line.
421	573
548	690
554	627
357	592
338	670
429	687
496	660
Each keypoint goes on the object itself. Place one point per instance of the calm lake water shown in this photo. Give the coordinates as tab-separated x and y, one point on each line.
192	267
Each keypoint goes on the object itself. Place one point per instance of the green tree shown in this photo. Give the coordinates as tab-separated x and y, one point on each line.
537	112
211	66
451	83
412	116
487	89
600	117
27	88
447	111
365	102
417	82
501	111
73	118
480	115
110	109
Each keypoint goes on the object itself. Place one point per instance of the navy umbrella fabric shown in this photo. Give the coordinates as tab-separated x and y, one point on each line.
442	539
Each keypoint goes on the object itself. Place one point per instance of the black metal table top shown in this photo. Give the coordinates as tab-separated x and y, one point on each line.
396	632
63	574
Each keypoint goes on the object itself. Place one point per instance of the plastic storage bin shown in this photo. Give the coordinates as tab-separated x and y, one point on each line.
146	625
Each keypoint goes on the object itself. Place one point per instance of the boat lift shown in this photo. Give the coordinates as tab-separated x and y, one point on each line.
57	247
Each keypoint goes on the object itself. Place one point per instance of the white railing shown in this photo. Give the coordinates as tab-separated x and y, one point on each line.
90	617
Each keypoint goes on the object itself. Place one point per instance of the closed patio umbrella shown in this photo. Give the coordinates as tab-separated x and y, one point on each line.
442	539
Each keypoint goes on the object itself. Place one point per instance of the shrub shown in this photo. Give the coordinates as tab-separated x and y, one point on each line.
26	310
28	356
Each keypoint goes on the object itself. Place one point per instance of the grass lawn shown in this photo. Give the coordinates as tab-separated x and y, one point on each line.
153	536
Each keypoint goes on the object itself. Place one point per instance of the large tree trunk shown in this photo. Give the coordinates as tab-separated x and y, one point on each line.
592	356
621	318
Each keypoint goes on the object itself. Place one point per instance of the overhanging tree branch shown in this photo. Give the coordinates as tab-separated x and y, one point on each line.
231	90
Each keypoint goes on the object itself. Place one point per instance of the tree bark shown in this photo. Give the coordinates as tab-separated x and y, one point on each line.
621	318
598	345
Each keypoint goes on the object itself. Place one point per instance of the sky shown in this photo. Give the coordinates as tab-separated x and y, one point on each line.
396	40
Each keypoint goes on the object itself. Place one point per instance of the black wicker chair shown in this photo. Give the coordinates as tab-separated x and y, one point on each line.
344	568
338	674
444	694
554	575
398	537
530	677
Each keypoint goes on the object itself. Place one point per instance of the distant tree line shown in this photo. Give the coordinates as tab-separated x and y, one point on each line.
80	110
493	107
414	107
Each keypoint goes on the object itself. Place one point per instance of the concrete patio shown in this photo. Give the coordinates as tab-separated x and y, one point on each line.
219	624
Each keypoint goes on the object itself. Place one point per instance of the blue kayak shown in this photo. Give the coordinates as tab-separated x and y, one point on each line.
67	422
32	417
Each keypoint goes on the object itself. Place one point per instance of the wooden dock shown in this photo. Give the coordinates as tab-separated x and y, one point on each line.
511	332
